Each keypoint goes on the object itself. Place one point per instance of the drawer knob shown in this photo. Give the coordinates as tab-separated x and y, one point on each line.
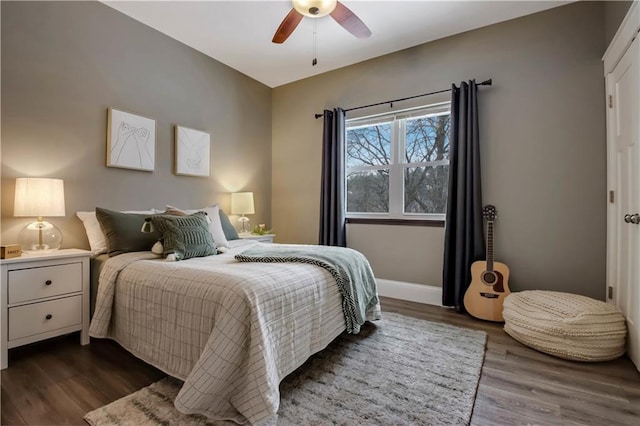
48	282
49	316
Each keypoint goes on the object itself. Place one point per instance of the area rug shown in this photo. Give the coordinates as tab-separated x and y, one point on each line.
397	371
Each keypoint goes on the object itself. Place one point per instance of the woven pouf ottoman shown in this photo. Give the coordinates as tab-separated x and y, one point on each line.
565	325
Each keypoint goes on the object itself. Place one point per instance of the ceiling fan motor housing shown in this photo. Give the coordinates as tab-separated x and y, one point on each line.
314	8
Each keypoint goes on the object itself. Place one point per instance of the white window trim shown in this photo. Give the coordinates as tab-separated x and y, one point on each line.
396	168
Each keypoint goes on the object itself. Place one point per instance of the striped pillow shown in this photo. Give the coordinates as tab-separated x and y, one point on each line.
184	237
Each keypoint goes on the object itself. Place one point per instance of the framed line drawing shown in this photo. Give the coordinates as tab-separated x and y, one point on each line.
193	150
131	141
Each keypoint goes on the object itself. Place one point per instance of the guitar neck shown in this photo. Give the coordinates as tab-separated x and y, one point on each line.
490	245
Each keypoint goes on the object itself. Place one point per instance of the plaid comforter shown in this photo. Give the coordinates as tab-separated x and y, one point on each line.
232	331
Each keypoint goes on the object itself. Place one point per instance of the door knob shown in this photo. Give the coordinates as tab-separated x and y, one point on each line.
627	218
635	218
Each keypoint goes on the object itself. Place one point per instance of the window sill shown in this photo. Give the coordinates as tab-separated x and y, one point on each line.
401	222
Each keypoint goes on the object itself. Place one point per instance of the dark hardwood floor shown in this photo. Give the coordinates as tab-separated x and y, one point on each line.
58	381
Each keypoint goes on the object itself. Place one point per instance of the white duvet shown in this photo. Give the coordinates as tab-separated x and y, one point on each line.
232	331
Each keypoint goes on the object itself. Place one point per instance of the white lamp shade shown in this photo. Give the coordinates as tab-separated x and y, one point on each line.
37	197
242	203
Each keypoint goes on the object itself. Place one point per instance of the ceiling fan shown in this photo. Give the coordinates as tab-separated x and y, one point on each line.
317	9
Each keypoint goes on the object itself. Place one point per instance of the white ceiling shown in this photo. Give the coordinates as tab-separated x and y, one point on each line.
238	33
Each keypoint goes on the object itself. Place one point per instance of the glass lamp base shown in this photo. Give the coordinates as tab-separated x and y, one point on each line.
245	225
39	237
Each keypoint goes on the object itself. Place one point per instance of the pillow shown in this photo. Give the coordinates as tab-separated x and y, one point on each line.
215	225
229	231
97	240
123	231
184	237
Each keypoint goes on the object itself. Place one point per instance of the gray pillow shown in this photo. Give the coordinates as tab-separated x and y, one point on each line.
229	231
123	232
185	236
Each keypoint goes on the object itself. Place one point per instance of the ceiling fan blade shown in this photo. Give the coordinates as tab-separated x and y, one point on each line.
350	21
288	24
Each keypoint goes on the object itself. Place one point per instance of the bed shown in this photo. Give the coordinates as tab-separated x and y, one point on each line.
231	331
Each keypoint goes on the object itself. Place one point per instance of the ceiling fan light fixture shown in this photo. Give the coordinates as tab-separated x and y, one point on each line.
314	8
317	9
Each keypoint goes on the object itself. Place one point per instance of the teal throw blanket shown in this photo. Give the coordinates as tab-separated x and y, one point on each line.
349	268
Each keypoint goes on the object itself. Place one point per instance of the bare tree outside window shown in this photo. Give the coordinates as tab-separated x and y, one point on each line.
368	191
427	141
421	171
369	152
369	145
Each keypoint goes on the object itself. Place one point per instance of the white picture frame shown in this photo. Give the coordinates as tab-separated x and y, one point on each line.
192	152
131	141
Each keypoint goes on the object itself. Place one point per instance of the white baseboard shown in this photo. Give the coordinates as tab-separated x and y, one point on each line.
409	291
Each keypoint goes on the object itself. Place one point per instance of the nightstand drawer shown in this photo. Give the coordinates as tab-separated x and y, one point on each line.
29	320
46	281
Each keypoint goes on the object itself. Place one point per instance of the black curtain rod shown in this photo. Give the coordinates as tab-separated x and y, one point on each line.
484	83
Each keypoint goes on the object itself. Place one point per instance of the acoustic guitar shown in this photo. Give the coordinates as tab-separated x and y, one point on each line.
489	280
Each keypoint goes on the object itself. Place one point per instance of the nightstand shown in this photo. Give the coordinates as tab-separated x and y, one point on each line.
43	295
266	238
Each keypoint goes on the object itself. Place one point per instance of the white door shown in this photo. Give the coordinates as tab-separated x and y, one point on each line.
624	87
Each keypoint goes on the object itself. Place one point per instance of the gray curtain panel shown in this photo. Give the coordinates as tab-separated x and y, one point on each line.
464	234
332	226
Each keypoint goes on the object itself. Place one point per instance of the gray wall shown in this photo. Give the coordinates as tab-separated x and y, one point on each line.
614	13
542	130
65	63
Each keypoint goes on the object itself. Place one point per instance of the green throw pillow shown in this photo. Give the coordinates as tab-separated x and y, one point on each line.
122	231
184	236
229	231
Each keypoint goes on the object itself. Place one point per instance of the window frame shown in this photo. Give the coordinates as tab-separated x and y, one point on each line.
398	119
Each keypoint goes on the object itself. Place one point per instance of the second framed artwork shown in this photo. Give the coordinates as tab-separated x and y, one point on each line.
192	152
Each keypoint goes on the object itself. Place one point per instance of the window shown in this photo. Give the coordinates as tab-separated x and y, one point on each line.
397	165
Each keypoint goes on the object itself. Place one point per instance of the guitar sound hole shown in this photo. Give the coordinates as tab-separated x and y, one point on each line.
489	277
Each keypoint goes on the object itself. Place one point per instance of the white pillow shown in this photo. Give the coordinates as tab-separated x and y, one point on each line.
215	225
97	239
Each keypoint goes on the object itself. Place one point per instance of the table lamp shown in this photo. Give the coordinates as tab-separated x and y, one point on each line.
242	203
38	197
